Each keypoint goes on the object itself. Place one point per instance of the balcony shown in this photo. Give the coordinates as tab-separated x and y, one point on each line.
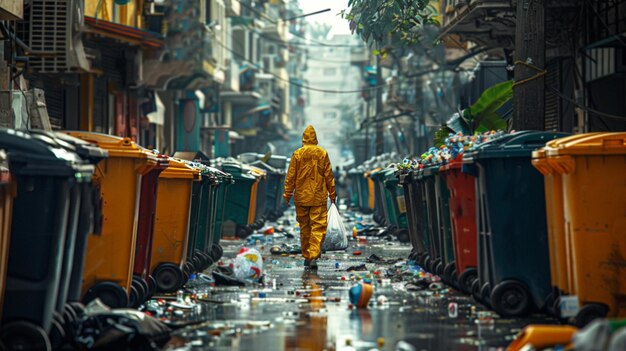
488	23
233	8
276	30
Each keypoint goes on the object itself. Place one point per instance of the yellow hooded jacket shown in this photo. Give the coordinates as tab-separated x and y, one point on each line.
310	174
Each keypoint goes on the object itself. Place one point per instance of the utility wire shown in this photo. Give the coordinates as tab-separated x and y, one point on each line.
303	86
275	21
555	91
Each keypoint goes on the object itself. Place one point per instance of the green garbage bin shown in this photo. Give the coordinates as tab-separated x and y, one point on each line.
428	183
241	200
46	174
221	192
407	178
381	212
199	217
512	223
394	196
274	190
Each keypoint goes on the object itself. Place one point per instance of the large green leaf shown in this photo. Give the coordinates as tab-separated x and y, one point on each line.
491	121
490	101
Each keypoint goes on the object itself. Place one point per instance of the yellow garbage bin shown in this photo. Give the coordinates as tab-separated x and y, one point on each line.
560	255
110	255
594	193
169	265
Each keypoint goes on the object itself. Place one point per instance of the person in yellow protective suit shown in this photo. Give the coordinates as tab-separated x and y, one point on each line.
310	177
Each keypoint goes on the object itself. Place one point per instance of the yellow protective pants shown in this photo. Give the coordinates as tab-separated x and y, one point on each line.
313	223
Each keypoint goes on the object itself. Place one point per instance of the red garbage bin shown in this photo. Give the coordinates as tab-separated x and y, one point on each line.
463	219
142	280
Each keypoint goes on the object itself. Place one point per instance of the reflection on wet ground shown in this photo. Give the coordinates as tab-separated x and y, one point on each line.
297	309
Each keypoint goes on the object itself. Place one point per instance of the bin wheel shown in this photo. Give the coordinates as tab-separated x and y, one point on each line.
208	261
454	280
448	271
551	304
589	313
152	286
439	269
476	290
403	236
137	294
196	262
110	293
168	277
216	252
69	315
57	335
188	269
24	336
511	299
413	256
242	233
485	295
429	264
423	259
466	280
78	308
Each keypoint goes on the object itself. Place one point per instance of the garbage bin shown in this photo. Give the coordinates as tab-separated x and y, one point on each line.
110	256
274	192
168	263
144	283
84	213
377	194
438	206
592	170
463	220
7	192
260	196
394	196
560	257
429	187
241	199
199	233
512	220
45	175
220	207
414	212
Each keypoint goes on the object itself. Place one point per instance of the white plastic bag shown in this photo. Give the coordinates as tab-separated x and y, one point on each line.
336	238
249	265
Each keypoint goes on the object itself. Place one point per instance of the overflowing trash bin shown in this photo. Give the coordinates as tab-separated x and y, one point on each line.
394	197
514	269
594	221
45	174
462	203
169	264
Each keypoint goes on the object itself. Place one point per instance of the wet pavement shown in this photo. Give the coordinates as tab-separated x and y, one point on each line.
298	309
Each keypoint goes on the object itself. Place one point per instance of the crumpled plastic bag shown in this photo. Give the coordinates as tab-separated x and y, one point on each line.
336	234
249	265
119	329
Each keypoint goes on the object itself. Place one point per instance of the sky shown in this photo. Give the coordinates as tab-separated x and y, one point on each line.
340	26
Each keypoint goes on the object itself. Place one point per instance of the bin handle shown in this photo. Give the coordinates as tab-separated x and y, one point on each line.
562	164
614	142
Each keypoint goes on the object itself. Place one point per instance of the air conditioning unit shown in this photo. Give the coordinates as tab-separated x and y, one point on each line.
52	29
269	63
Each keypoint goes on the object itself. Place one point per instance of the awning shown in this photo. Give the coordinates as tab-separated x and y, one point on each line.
158	116
129	34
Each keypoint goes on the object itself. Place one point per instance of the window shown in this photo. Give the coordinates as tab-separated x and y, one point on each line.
330	71
330	115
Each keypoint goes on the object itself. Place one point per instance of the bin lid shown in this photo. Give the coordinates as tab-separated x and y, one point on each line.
85	150
431	170
594	144
116	146
180	169
264	166
237	171
257	171
42	155
520	144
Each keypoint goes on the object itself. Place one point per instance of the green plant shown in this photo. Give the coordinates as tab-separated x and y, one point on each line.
377	20
482	116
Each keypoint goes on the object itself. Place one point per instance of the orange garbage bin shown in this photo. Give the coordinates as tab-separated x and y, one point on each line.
168	263
110	256
594	193
560	255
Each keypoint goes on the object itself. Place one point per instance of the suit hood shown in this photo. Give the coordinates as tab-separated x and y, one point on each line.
309	137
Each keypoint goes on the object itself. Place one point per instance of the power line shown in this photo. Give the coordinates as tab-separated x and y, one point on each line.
274	21
303	86
555	91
